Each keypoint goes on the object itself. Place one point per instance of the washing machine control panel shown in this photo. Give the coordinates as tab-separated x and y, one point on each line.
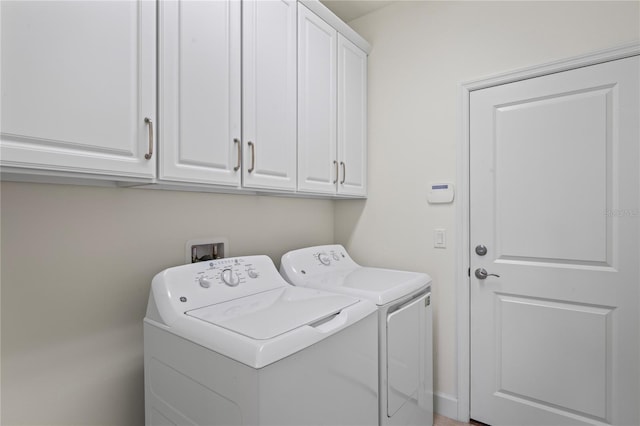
206	283
229	272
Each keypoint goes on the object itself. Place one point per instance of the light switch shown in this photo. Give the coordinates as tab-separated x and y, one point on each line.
440	238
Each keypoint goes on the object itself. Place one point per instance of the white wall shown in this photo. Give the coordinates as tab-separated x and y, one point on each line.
422	51
77	263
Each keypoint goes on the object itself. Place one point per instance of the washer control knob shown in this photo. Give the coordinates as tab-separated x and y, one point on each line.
335	256
324	259
229	278
252	273
205	282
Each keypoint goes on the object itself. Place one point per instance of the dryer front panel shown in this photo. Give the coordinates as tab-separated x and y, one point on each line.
404	344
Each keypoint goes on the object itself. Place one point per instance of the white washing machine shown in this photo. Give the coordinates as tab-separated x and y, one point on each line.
229	342
404	324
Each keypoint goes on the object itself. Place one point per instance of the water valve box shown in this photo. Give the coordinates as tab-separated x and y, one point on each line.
202	249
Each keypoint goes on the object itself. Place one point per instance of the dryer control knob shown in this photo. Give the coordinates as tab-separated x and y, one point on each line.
324	259
252	273
229	278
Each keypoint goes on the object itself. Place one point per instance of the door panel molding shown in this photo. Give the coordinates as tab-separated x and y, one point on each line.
587	327
462	207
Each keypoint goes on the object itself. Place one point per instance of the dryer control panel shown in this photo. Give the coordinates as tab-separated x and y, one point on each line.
331	254
182	288
316	260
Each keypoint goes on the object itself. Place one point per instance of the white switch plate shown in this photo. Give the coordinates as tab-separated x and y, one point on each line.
440	238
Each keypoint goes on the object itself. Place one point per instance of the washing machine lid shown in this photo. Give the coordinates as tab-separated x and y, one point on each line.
275	312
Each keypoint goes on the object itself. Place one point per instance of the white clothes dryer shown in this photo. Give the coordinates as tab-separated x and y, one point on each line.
229	342
404	324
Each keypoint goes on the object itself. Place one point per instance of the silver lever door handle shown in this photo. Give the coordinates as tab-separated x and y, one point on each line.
482	274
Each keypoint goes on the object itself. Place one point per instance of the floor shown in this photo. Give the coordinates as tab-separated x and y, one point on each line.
446	421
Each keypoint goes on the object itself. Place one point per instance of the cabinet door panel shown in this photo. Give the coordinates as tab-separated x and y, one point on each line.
269	94
78	81
200	91
317	167
352	118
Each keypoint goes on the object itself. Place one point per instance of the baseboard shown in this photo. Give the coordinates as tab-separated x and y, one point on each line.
446	405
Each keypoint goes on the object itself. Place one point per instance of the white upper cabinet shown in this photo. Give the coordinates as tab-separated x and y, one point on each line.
253	95
203	138
199	97
352	118
269	94
78	88
317	105
332	110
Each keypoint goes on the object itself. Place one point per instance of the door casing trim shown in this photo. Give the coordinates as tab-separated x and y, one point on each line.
462	261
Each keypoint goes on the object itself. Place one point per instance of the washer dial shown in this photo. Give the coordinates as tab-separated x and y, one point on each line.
229	278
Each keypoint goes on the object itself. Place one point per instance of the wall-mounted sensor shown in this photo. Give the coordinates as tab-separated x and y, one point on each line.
440	193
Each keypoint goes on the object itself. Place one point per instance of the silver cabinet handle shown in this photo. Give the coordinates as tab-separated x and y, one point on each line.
344	173
482	274
253	157
149	154
237	142
335	163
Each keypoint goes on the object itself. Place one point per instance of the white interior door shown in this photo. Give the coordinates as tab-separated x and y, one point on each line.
554	187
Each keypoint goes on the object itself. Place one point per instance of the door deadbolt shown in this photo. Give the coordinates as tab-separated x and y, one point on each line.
481	250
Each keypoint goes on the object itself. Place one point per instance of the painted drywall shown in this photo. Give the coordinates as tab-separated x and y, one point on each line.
422	51
77	263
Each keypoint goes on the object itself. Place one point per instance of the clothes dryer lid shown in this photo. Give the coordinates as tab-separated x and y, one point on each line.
331	268
381	286
275	312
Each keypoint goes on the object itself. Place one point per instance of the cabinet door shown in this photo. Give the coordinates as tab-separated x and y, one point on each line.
78	81
269	94
200	91
317	163
352	118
